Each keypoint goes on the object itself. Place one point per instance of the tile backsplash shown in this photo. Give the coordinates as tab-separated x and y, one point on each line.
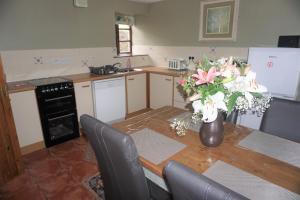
32	64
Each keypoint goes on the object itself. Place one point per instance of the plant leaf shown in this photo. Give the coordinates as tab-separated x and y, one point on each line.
232	100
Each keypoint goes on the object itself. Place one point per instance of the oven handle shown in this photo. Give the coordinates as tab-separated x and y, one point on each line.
55	118
58	98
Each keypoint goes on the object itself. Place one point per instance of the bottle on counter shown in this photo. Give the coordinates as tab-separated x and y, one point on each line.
191	64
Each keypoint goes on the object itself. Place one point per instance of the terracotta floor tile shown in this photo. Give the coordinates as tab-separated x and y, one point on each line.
36	156
46	168
62	149
53	173
83	170
75	193
72	156
20	187
55	184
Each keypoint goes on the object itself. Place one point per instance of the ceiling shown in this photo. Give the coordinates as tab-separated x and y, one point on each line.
146	1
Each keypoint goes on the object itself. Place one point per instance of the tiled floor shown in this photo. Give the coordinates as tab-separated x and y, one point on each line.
53	173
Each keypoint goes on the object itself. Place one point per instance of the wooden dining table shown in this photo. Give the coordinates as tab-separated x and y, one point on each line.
200	158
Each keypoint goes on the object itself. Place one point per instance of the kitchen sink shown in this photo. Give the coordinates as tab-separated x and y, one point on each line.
125	70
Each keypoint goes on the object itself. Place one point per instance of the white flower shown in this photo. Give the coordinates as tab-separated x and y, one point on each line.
249	98
210	107
252	85
245	84
197	105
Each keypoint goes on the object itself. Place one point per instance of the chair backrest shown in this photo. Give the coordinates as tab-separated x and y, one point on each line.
123	176
186	184
282	119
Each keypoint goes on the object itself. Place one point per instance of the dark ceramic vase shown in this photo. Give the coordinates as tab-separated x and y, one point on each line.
212	133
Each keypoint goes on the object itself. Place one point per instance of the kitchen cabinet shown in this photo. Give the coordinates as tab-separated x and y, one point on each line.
27	118
84	98
136	92
161	90
180	100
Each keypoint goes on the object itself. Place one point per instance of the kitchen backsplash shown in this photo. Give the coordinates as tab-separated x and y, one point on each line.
32	64
160	55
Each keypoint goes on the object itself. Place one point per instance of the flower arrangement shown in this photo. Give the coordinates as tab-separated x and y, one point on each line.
226	84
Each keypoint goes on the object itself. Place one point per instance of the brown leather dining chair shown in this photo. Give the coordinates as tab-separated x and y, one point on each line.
186	184
282	119
122	175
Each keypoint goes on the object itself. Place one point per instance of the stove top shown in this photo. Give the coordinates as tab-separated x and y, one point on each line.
47	81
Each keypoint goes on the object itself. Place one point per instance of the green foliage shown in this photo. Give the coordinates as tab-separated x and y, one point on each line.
232	100
205	64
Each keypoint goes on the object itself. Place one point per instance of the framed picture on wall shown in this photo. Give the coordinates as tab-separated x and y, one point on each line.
218	20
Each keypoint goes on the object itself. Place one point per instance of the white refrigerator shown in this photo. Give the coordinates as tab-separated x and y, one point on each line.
279	70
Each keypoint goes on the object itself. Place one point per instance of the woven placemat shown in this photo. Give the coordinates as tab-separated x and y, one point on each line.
246	184
154	146
273	146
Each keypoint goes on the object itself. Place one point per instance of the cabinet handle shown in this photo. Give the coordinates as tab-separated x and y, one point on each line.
131	79
168	79
85	86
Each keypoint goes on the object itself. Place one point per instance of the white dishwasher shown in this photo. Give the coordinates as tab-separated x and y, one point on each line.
109	99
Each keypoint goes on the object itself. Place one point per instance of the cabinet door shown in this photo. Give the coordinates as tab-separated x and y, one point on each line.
180	100
28	126
136	92
161	90
84	98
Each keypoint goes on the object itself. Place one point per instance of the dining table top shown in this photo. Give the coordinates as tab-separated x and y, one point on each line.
200	158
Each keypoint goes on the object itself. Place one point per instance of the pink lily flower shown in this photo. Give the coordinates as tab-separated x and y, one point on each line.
181	82
206	77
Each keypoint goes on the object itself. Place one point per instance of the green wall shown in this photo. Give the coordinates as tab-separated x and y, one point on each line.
176	23
54	24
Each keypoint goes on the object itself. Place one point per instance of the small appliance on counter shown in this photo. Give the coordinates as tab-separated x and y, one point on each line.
57	108
106	69
178	64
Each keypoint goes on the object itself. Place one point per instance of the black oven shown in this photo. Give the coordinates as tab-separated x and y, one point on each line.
57	108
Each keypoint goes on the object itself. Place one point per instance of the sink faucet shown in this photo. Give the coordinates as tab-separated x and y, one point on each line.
128	63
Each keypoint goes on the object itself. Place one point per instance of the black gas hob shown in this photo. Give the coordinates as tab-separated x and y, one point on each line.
57	108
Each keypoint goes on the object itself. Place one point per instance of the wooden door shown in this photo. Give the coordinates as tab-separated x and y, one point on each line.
10	156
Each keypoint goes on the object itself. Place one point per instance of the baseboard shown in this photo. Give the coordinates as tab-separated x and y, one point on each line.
130	115
32	147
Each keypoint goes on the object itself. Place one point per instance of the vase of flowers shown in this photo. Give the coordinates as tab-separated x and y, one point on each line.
223	85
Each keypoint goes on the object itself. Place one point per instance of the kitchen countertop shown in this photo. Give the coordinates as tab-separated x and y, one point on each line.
21	86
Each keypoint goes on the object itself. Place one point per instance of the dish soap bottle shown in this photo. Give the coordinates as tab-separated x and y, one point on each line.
191	65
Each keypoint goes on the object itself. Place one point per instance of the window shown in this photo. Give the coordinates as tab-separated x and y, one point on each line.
124	39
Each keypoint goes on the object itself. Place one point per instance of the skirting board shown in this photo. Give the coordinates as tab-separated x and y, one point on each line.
32	147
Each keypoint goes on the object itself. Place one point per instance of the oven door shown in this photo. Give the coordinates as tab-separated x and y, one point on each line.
60	127
60	103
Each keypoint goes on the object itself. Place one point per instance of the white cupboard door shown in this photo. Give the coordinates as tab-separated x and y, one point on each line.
136	92
84	98
27	118
161	90
180	100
